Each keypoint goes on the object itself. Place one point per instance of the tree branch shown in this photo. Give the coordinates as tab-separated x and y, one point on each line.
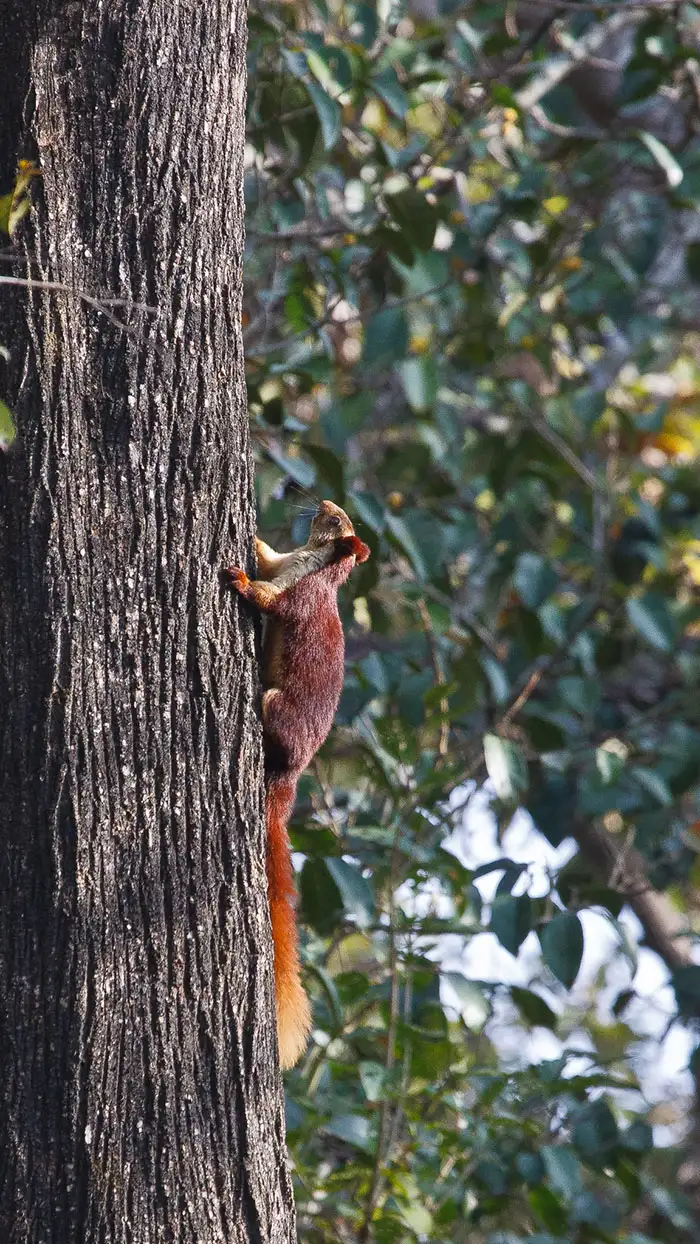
665	930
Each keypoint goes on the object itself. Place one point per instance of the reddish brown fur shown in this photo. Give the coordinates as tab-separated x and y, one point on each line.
298	710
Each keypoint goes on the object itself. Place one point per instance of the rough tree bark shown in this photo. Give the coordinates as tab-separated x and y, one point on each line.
140	1098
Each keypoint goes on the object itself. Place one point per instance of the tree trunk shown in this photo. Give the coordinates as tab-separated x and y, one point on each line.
140	1097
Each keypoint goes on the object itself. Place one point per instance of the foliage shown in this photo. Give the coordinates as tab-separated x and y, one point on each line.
13	208
470	318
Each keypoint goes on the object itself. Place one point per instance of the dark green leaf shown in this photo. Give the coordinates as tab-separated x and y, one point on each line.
533	1008
692	261
562	946
415	215
686	983
511	920
386	337
321	901
595	1132
563	1171
386	84
534	579
652	619
329	114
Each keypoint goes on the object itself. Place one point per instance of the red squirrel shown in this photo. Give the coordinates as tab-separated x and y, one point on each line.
303	666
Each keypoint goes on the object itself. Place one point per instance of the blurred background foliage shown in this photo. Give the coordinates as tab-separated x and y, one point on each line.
472	318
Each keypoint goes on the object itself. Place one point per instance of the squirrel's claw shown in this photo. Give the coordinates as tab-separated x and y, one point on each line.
236	578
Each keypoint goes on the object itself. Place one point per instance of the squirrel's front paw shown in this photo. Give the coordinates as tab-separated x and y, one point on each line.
236	578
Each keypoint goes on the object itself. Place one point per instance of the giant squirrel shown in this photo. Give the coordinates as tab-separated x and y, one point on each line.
303	666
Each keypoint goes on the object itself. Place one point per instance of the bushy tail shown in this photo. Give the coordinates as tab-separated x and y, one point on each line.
293	1010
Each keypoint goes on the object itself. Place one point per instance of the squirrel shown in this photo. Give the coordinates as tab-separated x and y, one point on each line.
303	667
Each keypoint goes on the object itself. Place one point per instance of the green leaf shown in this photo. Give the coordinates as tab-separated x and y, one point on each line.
5	207
497	677
609	764
15	205
329	113
651	618
344	419
386	337
595	1132
654	783
369	510
415	215
563	1170
386	84
506	767
355	890
664	159
405	540
419	377
7	427
548	1209
418	1219
372	1078
562	947
366	19
533	1008
296	468
354	1129
329	63
686	985
511	920
531	1167
321	900
639	1137
692	261
473	1005
330	466
534	579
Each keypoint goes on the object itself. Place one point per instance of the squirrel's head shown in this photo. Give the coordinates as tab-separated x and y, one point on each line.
328	523
332	531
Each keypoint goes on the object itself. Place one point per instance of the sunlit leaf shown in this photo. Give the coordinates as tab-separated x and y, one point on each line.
355	890
7	426
506	767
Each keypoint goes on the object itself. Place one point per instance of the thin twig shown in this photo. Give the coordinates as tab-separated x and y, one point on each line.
282	119
444	743
59	288
468	619
556	70
565	451
521	700
591	6
255	352
385	1129
299	235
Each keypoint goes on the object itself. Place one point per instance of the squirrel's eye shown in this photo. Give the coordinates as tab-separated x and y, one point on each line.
335	520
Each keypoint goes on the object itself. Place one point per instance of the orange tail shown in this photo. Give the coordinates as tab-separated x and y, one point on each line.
293	1010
